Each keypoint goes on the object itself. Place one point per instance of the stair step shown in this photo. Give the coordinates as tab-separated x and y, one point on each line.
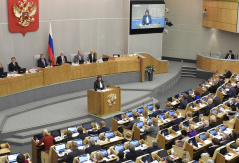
192	76
189	70
188	73
188	67
137	99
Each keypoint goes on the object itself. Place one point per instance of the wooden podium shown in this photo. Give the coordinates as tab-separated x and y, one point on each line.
105	102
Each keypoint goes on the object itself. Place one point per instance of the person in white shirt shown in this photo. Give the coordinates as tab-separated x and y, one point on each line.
61	59
92	57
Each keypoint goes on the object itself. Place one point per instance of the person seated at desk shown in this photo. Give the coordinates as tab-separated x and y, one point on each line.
91	56
233	114
41	62
1	68
205	126
68	158
211	149
176	120
157	111
92	147
81	134
13	66
131	123
132	154
21	159
230	55
197	95
167	108
102	129
225	140
235	104
206	110
192	131
180	143
213	88
128	137
147	18
99	158
68	137
227	74
78	57
205	91
233	135
221	81
189	97
183	102
121	157
154	147
61	59
99	83
231	92
215	99
189	115
153	130
48	140
212	121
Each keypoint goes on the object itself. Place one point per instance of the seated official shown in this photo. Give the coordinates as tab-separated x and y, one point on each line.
13	66
237	88
206	110
48	140
21	159
235	104
169	159
221	81
99	83
189	97
102	129
92	147
92	57
145	116
192	131
131	123
205	126
233	114
61	59
189	115
227	74
68	137
213	88
132	154
128	137
212	121
231	92
68	158
205	91
211	149
176	120
230	55
225	140
121	157
99	158
180	143
153	130
1	68
146	18
79	57
41	62
197	95
157	111
167	108
233	135
216	100
183	103
154	147
81	134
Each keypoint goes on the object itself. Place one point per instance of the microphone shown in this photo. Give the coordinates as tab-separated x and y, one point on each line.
211	51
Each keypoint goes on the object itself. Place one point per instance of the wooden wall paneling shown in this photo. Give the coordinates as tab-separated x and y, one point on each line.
3	87
16	84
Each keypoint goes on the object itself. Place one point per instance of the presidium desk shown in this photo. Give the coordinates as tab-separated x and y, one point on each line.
52	75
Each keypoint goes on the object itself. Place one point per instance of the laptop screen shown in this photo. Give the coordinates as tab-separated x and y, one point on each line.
149	122
79	142
83	158
140	110
119	148
190	91
200	85
222	127
183	93
56	133
146	158
38	137
226	103
175	128
162	116
109	134
192	141
213	132
95	138
203	136
176	96
220	107
196	119
12	158
150	107
104	151
129	114
135	142
164	132
223	151
118	117
139	124
87	126
60	147
171	113
170	99
163	153
204	99
214	111
209	96
73	129
186	123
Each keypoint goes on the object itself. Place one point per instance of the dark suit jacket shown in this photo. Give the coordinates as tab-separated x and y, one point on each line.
206	110
204	129
221	82
190	99
234	106
183	104
59	60
121	160
12	68
211	150
131	124
70	157
205	93
40	63
228	74
213	89
133	155
92	148
217	101
232	56
144	20
97	85
92	59
176	121
103	129
166	110
213	124
69	139
231	92
82	136
224	143
157	112
1	70
152	149
237	91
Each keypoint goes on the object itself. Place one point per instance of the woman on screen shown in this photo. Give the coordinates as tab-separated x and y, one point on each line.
146	18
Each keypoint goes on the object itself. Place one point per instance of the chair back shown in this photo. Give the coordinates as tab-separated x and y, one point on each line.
72	57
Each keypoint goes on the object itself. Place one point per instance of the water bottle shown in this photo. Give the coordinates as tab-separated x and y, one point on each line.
201	118
191	143
172	151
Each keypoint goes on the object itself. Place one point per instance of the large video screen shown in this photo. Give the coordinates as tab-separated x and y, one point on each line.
147	16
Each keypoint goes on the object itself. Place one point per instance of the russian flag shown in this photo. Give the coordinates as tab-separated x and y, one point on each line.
51	47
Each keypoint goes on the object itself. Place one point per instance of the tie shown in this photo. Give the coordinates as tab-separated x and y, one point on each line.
63	59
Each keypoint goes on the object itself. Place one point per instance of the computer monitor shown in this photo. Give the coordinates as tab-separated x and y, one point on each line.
3	75
119	148
183	93
73	129
203	136
223	151
196	119
220	89
60	147
193	141
118	117
140	124
200	85
56	133
204	99
162	116
213	132
146	158
83	158
191	105
186	123
220	107
150	107
12	158
87	126
175	128
140	110
162	154
21	71
198	102
81	61
164	132
96	138
129	114
190	91
38	137
104	151
109	134
134	142
222	128
176	96
226	103
171	113
209	96
149	122
105	59
79	142
214	111
170	99
233	101
195	161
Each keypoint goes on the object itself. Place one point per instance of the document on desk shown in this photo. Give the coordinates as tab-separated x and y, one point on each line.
174	102
169	137
114	138
207	141
228	156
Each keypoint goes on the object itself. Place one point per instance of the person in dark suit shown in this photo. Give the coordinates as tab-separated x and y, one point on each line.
81	134
189	98
92	147
68	137
235	104
237	88
227	74
146	18
167	108
132	154
92	57
183	103
225	140
61	59
206	110
205	91
176	120
213	88
157	111
212	121
79	57
75	152
230	55
154	147
216	99
131	123
221	81
41	62
153	130
99	83
231	92
215	145
121	157
1	68
102	129
13	66
205	126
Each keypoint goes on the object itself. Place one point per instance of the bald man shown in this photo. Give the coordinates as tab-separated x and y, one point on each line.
61	59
